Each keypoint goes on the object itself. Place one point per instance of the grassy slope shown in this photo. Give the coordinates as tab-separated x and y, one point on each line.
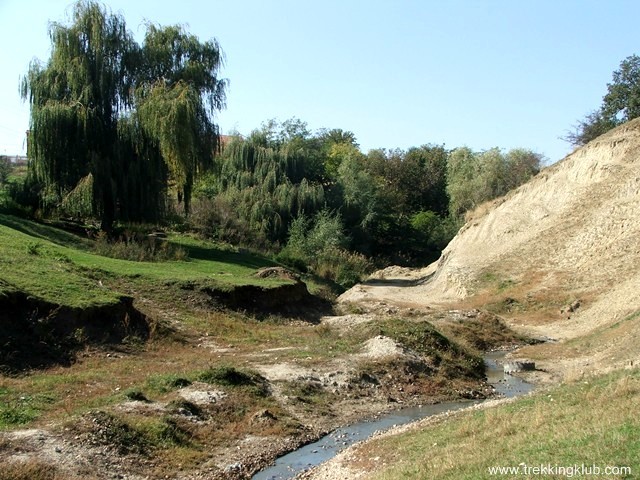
59	267
592	422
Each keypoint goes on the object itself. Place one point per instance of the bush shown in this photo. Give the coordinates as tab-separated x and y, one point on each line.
229	376
343	267
318	245
217	219
140	247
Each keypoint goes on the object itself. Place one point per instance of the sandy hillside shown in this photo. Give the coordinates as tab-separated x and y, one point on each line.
571	233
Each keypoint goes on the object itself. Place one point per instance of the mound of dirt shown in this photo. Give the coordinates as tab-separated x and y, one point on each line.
384	347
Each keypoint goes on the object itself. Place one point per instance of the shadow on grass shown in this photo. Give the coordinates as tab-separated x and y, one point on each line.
45	232
222	256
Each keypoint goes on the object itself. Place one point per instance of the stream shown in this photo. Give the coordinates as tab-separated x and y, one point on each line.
290	465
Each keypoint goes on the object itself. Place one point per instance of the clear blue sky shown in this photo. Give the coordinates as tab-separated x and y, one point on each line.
491	73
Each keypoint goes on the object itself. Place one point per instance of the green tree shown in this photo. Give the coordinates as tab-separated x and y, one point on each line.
620	104
622	100
260	187
462	180
5	169
130	118
473	178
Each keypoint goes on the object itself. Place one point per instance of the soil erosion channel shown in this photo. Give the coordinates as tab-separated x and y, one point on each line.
290	465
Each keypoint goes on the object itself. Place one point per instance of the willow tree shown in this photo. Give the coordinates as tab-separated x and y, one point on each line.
130	118
177	96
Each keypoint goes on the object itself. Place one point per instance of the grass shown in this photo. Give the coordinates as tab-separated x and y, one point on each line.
422	337
17	408
551	427
59	267
230	376
31	470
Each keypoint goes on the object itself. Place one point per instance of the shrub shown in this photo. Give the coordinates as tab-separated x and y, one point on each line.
229	376
318	245
140	247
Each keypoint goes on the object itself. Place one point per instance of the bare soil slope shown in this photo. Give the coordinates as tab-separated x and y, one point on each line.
569	236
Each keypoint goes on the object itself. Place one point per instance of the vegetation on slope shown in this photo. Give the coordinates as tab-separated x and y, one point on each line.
551	427
61	268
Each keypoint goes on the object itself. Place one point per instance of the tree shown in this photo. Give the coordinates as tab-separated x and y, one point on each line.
473	178
5	169
622	101
462	180
130	118
620	104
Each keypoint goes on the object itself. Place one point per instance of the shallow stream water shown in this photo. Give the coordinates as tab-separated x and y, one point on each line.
288	466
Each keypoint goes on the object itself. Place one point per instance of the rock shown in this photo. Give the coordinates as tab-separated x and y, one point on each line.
518	366
277	272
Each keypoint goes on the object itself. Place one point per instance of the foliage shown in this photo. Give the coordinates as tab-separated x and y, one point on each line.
622	100
309	237
261	185
620	104
319	244
593	125
474	178
140	247
130	117
5	169
415	179
268	190
432	233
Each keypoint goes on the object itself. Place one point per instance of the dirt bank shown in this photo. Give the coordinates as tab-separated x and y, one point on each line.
38	334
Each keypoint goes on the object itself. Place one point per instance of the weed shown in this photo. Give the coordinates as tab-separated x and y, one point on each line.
17	409
167	383
230	376
112	431
307	392
135	395
16	414
185	407
165	432
33	248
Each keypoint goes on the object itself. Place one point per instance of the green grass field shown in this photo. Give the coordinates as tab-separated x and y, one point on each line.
60	267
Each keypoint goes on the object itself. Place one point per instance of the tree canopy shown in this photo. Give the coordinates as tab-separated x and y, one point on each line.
122	119
620	104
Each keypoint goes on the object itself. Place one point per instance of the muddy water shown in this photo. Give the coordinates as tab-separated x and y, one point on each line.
288	466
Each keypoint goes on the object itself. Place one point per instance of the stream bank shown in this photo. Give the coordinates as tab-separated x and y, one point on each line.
313	454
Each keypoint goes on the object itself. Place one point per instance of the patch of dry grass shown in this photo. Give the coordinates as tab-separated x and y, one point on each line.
31	470
592	423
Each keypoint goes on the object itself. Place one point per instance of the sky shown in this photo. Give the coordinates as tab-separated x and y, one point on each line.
396	73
